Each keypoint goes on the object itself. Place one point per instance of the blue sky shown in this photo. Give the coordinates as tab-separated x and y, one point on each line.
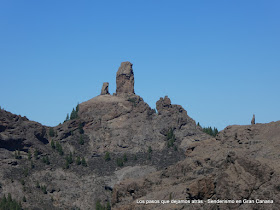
218	59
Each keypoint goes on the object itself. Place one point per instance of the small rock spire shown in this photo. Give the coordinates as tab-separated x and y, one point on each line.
105	89
253	120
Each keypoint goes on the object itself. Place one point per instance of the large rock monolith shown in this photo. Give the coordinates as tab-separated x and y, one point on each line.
125	79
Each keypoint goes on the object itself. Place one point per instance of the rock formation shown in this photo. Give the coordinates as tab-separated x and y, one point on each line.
222	168
253	120
163	104
125	79
161	156
105	89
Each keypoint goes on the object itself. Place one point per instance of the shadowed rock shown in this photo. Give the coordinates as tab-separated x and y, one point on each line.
105	89
125	79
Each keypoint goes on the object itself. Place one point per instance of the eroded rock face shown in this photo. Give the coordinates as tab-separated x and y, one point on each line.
125	79
105	89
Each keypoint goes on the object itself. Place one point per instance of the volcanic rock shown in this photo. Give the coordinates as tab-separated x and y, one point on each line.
125	79
163	104
105	89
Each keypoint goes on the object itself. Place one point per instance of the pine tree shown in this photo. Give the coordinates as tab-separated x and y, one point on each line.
77	108
59	148
67	117
32	164
84	162
107	156
66	163
81	130
52	144
81	141
78	161
125	158
119	162
73	115
51	132
47	160
37	185
70	158
108	207
29	155
36	153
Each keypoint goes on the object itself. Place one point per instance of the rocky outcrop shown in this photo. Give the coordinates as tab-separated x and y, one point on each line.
18	133
239	166
105	89
163	104
125	79
253	121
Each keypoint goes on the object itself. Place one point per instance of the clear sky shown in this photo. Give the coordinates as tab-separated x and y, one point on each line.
220	60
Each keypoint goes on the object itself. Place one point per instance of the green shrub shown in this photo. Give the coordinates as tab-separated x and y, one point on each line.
25	172
107	156
44	189
150	149
99	206
133	101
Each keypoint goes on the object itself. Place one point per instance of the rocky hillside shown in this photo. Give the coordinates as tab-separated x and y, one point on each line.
115	150
241	163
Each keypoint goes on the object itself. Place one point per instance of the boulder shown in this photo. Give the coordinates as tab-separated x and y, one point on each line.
125	79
